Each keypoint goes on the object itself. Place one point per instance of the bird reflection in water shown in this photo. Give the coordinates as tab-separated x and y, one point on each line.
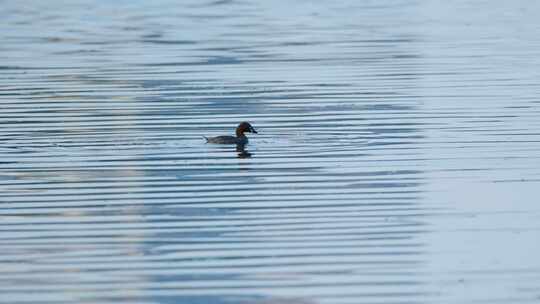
242	152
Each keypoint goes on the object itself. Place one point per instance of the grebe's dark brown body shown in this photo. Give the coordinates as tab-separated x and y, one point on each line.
239	139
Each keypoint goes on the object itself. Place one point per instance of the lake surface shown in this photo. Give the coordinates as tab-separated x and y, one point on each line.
397	160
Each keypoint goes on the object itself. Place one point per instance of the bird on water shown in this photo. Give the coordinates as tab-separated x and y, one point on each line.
239	139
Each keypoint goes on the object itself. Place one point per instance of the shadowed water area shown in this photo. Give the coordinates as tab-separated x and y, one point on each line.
397	160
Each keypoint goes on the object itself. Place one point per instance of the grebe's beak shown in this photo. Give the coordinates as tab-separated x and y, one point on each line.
253	131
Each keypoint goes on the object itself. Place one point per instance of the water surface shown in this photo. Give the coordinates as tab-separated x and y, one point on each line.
396	161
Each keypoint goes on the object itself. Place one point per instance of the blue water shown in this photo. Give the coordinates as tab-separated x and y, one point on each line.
397	159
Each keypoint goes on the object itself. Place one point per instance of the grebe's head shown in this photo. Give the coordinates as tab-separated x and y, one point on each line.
244	127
